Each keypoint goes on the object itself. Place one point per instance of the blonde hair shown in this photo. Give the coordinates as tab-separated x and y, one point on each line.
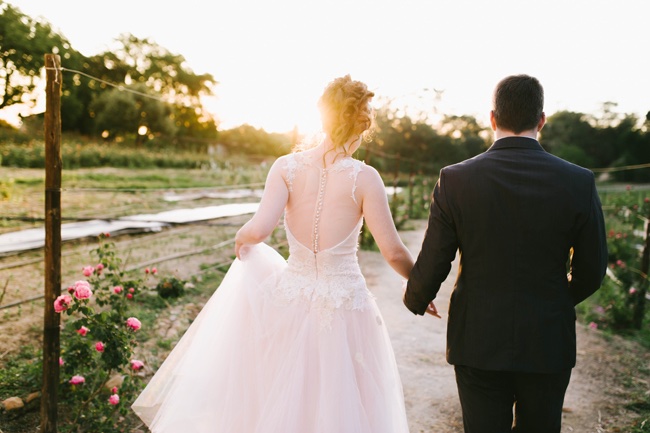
345	112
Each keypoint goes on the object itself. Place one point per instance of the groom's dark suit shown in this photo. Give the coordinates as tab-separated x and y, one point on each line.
514	213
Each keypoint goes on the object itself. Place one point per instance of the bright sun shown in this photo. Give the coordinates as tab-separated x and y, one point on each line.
271	110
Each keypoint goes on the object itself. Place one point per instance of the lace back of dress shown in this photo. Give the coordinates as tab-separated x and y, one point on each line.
322	210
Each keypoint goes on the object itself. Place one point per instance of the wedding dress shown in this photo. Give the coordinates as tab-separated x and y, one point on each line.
295	346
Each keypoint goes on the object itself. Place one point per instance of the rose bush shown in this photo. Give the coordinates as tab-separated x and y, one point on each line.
619	305
99	377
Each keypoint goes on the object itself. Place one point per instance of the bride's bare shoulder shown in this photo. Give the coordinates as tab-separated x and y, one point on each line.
369	180
369	173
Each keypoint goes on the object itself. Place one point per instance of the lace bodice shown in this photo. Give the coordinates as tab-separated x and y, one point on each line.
322	222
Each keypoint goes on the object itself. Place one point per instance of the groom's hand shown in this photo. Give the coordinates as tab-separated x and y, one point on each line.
431	309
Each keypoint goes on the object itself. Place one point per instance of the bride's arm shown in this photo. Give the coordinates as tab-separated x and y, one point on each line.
272	204
380	222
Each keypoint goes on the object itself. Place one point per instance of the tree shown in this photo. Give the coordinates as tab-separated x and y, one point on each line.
454	139
467	134
119	112
194	122
24	41
141	62
571	136
253	141
633	146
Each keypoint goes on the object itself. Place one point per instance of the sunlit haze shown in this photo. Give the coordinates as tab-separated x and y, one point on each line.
272	59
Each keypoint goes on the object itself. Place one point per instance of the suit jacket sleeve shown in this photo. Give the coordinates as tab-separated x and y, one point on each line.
438	251
589	260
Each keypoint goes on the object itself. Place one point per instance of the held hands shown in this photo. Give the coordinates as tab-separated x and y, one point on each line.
431	308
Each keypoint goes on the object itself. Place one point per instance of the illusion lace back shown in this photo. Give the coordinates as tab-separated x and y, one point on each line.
322	222
295	346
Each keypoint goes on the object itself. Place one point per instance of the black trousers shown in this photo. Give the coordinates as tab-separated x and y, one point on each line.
487	399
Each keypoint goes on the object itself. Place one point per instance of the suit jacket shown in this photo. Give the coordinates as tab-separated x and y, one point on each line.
530	235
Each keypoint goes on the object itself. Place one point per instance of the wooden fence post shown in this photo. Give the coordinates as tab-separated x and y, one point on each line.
52	320
639	300
425	197
395	182
411	198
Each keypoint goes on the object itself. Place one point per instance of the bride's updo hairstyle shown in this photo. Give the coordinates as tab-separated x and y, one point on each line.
345	112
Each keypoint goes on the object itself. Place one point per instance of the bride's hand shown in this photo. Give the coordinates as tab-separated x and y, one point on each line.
431	309
240	249
240	246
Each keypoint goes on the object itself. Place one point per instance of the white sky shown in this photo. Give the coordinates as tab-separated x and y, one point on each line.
273	58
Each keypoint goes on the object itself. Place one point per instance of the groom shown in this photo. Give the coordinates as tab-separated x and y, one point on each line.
529	230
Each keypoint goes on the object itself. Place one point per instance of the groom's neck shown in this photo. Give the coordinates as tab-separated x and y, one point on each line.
502	133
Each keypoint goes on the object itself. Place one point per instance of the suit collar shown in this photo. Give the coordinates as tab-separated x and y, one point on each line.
516	142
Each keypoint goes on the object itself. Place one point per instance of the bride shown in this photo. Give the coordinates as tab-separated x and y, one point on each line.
295	346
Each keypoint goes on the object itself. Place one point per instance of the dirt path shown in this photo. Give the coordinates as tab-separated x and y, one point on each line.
594	400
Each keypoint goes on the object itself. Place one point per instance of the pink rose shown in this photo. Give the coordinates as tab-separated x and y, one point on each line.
146	270
88	271
99	268
62	303
118	289
114	390
114	399
131	290
61	361
136	364
593	325
82	290
83	331
76	380
632	290
71	289
108	235
133	323
129	296
99	346
154	271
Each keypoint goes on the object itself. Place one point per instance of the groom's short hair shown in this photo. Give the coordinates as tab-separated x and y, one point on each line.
518	103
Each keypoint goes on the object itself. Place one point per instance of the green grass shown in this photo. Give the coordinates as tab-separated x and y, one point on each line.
26	180
22	373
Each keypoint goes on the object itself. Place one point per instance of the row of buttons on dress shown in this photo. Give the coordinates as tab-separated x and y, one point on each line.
319	206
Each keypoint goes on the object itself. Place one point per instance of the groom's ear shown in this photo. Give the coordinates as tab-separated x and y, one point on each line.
493	121
542	122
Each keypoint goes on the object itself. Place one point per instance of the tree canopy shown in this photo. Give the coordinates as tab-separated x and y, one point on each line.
24	41
91	84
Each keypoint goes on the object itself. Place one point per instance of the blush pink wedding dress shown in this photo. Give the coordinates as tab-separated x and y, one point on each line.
295	346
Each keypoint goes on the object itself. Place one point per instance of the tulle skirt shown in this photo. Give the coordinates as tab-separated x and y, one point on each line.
247	365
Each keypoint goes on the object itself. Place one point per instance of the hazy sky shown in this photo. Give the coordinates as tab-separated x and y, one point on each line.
273	58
